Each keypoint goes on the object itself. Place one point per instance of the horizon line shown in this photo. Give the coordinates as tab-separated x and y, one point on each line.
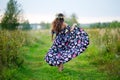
48	18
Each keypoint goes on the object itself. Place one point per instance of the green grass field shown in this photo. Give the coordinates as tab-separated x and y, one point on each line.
96	63
35	67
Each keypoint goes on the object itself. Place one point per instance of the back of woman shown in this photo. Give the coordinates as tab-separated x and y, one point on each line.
68	43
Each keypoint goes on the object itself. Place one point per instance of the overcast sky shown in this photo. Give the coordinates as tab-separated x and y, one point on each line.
88	11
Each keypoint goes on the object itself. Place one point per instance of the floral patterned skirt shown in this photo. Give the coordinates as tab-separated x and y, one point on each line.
67	45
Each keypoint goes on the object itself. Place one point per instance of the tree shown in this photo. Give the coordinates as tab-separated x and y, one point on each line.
45	25
71	20
115	24
74	18
26	25
11	17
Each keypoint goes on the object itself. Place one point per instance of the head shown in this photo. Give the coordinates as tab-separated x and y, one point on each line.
58	23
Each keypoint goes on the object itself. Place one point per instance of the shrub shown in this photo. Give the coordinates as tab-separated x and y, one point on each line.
107	57
10	52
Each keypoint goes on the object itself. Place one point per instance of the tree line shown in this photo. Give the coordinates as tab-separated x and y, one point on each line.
113	24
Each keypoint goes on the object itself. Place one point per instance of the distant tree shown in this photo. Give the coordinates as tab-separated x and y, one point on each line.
26	25
98	25
92	26
105	25
115	24
72	19
10	18
48	25
45	25
0	26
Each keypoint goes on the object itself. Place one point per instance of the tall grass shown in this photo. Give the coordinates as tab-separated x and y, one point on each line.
27	49
106	50
11	56
103	52
12	50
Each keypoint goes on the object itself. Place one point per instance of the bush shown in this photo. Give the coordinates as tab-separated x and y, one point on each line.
107	57
10	52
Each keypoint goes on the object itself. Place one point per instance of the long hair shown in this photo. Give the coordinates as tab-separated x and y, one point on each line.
58	23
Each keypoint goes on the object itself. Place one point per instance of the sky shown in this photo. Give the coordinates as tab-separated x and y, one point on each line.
87	11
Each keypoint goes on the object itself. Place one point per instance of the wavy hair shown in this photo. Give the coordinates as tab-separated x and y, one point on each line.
58	23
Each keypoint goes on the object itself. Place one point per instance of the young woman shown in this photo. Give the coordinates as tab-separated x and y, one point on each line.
68	43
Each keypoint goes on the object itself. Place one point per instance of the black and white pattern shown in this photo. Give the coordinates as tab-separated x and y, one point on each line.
67	45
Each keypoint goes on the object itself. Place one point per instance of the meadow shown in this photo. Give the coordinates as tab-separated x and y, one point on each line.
100	61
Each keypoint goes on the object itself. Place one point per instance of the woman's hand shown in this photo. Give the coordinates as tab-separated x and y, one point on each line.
73	26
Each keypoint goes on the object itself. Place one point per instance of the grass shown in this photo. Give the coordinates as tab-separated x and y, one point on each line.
22	57
35	67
